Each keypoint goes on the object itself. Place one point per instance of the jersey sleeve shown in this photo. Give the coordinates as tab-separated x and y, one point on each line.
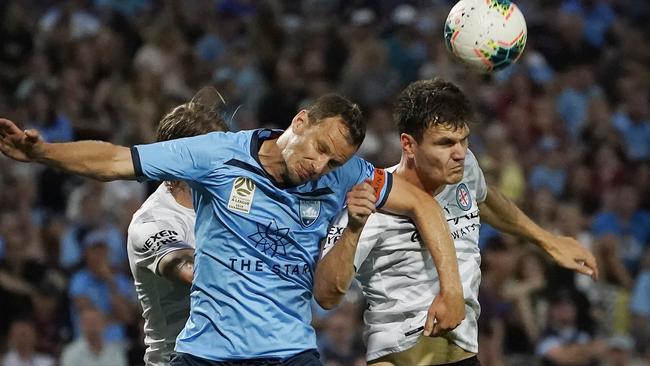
336	229
358	170
189	158
151	241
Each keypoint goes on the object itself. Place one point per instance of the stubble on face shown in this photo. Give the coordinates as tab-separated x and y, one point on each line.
321	148
442	153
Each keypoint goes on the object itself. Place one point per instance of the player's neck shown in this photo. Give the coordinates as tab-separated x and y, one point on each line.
183	196
270	157
406	170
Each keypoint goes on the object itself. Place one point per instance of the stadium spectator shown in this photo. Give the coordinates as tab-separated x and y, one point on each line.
22	347
563	342
622	229
92	348
96	285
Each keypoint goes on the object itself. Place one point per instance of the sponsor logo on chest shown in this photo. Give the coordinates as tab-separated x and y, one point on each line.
241	195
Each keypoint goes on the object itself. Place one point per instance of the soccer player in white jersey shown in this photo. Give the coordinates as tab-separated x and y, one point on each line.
161	242
396	274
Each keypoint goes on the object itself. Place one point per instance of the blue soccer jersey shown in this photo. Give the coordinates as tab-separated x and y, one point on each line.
257	242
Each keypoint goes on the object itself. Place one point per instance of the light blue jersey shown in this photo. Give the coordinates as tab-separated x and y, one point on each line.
256	242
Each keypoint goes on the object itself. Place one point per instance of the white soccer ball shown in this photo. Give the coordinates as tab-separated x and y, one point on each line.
486	35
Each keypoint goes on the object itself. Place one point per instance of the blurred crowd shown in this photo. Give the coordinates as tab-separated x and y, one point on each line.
565	133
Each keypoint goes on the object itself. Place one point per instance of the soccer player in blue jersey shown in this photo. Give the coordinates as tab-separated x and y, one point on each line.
264	200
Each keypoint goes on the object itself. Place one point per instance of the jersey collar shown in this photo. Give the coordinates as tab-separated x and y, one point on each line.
259	136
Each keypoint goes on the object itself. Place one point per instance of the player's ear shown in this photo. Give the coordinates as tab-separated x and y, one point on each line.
408	144
208	97
300	122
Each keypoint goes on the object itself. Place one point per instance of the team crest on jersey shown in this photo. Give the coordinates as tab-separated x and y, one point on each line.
241	195
309	211
463	198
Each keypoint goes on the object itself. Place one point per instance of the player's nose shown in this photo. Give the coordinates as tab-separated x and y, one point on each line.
459	152
319	165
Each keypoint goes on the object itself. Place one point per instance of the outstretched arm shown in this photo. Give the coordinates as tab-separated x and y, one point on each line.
448	308
95	159
500	212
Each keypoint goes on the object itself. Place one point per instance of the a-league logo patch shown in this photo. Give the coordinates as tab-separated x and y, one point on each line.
463	198
241	195
309	211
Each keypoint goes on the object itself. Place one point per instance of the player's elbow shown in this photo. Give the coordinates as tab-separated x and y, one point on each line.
102	177
327	298
326	303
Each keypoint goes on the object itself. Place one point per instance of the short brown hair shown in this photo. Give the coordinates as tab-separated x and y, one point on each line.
426	103
196	117
334	105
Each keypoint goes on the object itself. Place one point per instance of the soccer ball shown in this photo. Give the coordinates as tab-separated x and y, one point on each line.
486	35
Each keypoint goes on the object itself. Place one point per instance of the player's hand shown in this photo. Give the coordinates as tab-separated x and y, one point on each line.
569	253
18	144
445	313
361	204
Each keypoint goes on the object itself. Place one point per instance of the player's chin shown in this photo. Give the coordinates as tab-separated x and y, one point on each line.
296	179
455	176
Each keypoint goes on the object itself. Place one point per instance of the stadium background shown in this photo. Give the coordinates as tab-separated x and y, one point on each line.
565	133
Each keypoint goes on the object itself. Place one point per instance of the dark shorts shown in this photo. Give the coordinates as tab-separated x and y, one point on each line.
472	361
307	358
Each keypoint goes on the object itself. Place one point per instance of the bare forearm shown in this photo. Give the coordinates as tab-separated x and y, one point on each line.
178	266
335	271
447	309
434	233
95	159
500	212
407	200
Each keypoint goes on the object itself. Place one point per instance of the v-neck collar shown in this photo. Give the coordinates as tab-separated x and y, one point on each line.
258	138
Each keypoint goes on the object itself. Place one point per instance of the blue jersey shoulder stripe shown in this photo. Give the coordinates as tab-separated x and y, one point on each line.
316	193
246	166
274	196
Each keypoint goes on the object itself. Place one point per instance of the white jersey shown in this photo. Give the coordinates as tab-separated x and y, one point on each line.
399	278
158	228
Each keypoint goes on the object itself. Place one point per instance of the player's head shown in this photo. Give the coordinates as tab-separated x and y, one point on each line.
199	116
196	117
321	138
433	119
